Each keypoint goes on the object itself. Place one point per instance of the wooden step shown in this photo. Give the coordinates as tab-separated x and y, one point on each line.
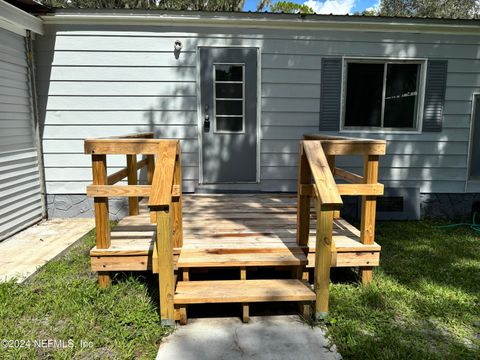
125	246
128	254
124	254
241	291
350	259
234	257
132	248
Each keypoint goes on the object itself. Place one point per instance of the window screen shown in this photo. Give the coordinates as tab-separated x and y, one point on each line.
382	95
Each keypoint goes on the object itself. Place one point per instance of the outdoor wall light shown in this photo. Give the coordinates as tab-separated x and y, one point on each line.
178	45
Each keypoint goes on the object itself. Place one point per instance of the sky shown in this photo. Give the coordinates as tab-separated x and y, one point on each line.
327	6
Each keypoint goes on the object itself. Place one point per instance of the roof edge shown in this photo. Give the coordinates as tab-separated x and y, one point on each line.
18	21
261	20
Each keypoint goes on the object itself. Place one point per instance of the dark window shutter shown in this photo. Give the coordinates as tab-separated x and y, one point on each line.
435	88
330	94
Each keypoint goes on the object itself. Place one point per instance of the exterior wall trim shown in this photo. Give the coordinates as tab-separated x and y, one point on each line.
469	182
36	119
18	21
260	21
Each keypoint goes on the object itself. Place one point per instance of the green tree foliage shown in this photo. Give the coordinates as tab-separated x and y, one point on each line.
431	8
368	13
263	4
199	5
290	7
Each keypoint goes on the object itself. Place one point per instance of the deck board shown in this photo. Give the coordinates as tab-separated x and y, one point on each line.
236	257
244	291
237	230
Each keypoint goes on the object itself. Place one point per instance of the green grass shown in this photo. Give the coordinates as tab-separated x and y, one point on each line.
424	301
63	302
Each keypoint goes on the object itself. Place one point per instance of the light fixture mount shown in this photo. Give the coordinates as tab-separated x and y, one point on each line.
178	45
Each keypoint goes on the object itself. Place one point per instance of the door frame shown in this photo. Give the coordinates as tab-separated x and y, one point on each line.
199	108
475	96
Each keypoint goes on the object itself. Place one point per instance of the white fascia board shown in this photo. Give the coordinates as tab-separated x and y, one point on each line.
18	21
258	23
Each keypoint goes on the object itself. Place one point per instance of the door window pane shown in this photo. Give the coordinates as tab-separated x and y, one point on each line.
229	97
364	95
226	72
228	90
401	95
229	107
230	124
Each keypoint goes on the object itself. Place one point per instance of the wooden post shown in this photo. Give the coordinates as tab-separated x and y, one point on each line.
166	279
322	261
102	226
367	227
150	174
150	168
133	208
303	201
306	310
331	164
183	314
185	274
245	312
243	273
177	202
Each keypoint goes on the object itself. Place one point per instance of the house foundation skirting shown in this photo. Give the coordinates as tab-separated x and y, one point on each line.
73	206
431	205
447	206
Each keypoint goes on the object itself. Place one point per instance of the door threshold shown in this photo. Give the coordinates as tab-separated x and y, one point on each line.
227	188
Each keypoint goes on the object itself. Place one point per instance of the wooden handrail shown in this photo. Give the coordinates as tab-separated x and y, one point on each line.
164	191
325	187
122	146
346	189
341	145
317	160
337	138
119	190
163	176
144	135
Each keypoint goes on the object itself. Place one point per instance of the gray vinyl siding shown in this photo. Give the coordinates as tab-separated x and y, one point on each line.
20	198
103	81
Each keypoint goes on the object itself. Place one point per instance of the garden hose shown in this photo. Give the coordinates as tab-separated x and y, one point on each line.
474	225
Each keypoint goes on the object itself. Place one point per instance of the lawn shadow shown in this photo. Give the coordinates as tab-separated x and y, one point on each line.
416	251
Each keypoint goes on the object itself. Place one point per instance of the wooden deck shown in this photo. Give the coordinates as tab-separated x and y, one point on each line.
232	231
172	234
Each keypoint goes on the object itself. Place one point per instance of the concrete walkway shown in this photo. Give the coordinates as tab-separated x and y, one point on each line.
24	253
269	338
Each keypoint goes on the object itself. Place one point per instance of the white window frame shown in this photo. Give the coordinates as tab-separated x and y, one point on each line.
473	114
417	129
229	99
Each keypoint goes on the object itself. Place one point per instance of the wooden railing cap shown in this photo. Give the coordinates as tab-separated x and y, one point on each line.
337	145
106	146
142	135
342	138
